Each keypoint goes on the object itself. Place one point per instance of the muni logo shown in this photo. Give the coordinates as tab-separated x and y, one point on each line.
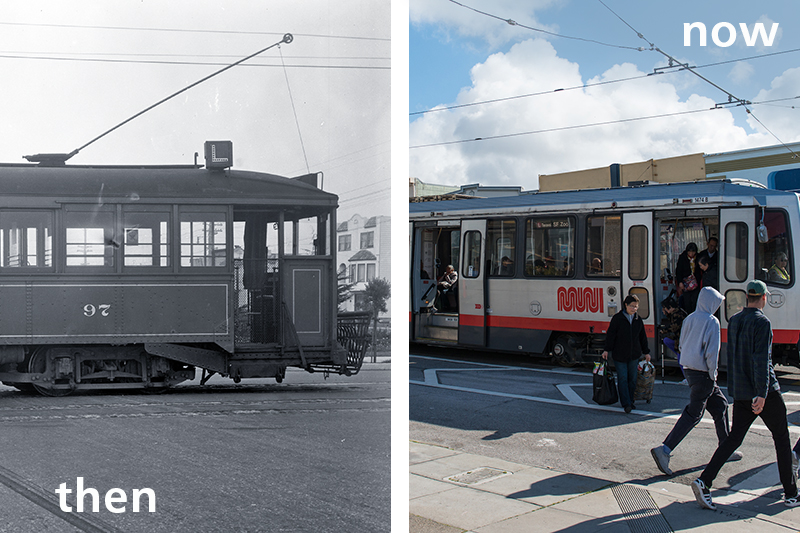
580	299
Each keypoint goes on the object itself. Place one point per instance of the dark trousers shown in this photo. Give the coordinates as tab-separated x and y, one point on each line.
627	374
774	417
704	395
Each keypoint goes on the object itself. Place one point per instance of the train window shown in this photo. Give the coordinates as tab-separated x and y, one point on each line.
773	257
26	239
644	302
550	247
472	254
90	239
501	237
637	253
307	236
735	301
203	239
736	246
146	239
603	246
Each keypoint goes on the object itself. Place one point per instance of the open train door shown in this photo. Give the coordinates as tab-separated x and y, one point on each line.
638	270
472	284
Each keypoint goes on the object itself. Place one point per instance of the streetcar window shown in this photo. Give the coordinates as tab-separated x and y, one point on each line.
308	236
736	246
773	263
472	254
644	302
500	246
203	240
90	238
146	240
550	247
26	239
603	246
735	301
637	253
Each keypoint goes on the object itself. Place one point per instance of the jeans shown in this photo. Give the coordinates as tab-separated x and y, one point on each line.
704	395
774	417
627	374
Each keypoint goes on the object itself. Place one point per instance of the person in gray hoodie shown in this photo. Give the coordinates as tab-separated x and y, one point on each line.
700	343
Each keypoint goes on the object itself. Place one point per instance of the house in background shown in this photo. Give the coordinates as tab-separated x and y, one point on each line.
364	253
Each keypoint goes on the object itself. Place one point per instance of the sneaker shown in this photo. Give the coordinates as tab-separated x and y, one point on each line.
735	456
684	382
795	466
791	502
702	495
627	409
662	459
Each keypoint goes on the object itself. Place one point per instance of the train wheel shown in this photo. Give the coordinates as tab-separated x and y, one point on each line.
563	353
37	365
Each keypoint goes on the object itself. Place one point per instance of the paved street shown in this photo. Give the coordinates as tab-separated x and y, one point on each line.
307	455
540	427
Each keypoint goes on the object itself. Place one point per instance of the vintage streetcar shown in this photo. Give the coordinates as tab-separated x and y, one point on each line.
120	277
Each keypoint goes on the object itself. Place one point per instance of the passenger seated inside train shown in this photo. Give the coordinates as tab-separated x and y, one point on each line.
447	286
779	272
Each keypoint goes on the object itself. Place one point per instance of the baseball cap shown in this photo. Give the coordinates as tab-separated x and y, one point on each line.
757	288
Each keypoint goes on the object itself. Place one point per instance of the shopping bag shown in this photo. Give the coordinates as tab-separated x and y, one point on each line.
604	387
645	380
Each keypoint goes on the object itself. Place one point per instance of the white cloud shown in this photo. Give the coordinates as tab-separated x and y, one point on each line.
533	66
780	117
465	22
741	72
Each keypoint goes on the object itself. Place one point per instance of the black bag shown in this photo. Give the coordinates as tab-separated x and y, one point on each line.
605	388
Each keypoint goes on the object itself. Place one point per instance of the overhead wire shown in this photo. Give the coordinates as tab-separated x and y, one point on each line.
731	97
203	63
515	23
188	30
586	85
564	128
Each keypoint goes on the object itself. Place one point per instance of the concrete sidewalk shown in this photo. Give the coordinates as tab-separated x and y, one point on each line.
454	492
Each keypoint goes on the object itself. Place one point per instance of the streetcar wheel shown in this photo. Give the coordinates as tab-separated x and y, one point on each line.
37	365
563	353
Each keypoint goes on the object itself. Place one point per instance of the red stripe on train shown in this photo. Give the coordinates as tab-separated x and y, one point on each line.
779	336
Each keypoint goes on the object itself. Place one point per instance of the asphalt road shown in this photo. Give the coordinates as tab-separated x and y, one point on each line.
306	455
544	417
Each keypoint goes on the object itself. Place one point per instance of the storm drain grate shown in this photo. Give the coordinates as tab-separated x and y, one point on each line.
478	475
640	511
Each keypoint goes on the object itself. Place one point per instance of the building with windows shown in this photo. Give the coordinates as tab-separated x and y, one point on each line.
364	253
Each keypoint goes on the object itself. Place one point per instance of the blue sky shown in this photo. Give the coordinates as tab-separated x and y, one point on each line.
447	41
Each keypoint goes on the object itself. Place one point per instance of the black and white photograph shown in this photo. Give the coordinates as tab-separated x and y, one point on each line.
195	266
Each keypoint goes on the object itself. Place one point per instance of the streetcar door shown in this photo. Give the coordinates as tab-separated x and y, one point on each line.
423	267
637	266
737	258
471	282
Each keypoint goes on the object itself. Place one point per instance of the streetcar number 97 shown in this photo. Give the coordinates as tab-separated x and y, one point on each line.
91	310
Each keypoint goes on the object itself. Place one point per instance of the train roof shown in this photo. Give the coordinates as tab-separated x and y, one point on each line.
650	194
185	183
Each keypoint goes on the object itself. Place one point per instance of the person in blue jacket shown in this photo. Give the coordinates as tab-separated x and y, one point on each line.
626	342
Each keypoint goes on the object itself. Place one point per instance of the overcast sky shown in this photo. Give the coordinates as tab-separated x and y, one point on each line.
460	57
73	69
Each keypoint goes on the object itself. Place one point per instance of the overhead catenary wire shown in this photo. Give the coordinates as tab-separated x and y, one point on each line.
586	85
565	128
203	63
731	98
287	38
515	23
189	30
